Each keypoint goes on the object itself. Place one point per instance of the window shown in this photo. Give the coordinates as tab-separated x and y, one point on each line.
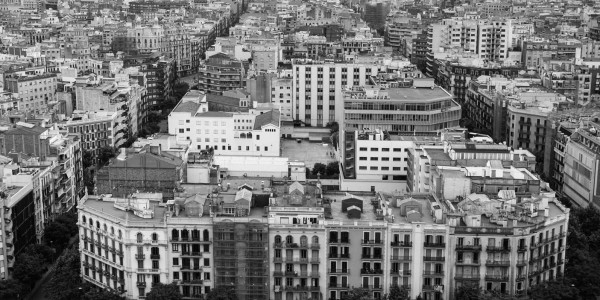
373	168
155	237
206	262
374	158
385	159
181	130
139	237
175	261
362	158
397	149
374	149
385	149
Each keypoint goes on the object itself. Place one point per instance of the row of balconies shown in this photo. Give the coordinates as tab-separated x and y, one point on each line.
298	288
189	267
297	246
302	260
295	274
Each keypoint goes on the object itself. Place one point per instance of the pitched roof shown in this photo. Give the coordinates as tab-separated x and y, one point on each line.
223	99
271	117
214	114
146	160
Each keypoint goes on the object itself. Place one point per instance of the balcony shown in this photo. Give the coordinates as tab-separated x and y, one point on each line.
371	256
498	249
338	285
401	244
490	277
339	271
141	284
401	272
435	288
277	259
468	247
154	256
498	263
371	242
467	277
521	277
402	257
521	248
315	246
522	262
432	258
140	256
433	273
434	245
371	271
342	241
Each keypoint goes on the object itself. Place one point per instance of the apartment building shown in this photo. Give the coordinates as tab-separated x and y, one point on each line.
323	245
110	96
581	166
34	92
416	106
252	133
221	73
485	105
97	130
318	97
298	240
18	226
528	125
281	96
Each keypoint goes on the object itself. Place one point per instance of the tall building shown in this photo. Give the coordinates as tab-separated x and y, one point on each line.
35	91
582	166
18	224
221	73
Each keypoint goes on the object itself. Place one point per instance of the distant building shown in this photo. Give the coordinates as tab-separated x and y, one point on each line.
221	73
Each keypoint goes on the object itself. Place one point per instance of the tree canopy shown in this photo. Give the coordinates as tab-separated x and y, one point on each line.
398	293
164	292
65	273
357	294
11	289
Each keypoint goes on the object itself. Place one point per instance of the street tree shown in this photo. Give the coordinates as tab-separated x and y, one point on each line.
164	292
221	293
65	272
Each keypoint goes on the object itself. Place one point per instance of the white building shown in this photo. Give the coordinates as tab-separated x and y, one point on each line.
253	133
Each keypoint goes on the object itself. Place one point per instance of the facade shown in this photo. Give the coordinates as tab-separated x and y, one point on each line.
221	73
97	130
581	167
417	106
485	106
252	133
34	92
528	125
18	224
288	241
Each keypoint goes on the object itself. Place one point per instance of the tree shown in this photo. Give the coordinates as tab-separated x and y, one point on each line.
104	155
221	293
57	235
164	292
335	139
88	159
12	289
468	292
65	272
555	290
45	252
398	293
319	168
92	292
332	169
333	127
357	294
27	268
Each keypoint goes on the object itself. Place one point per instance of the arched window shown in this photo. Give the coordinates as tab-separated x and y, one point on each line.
175	234
242	135
97	224
303	241
195	235
91	222
249	135
289	239
84	220
112	230
205	235
315	239
185	235
120	235
140	237
105	227
277	239
155	237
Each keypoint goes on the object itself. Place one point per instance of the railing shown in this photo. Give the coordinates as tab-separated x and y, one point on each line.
431	258
468	247
433	273
522	248
492	277
401	244
338	285
434	245
140	256
371	242
498	248
339	271
400	272
338	241
154	256
498	263
467	276
401	257
371	271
